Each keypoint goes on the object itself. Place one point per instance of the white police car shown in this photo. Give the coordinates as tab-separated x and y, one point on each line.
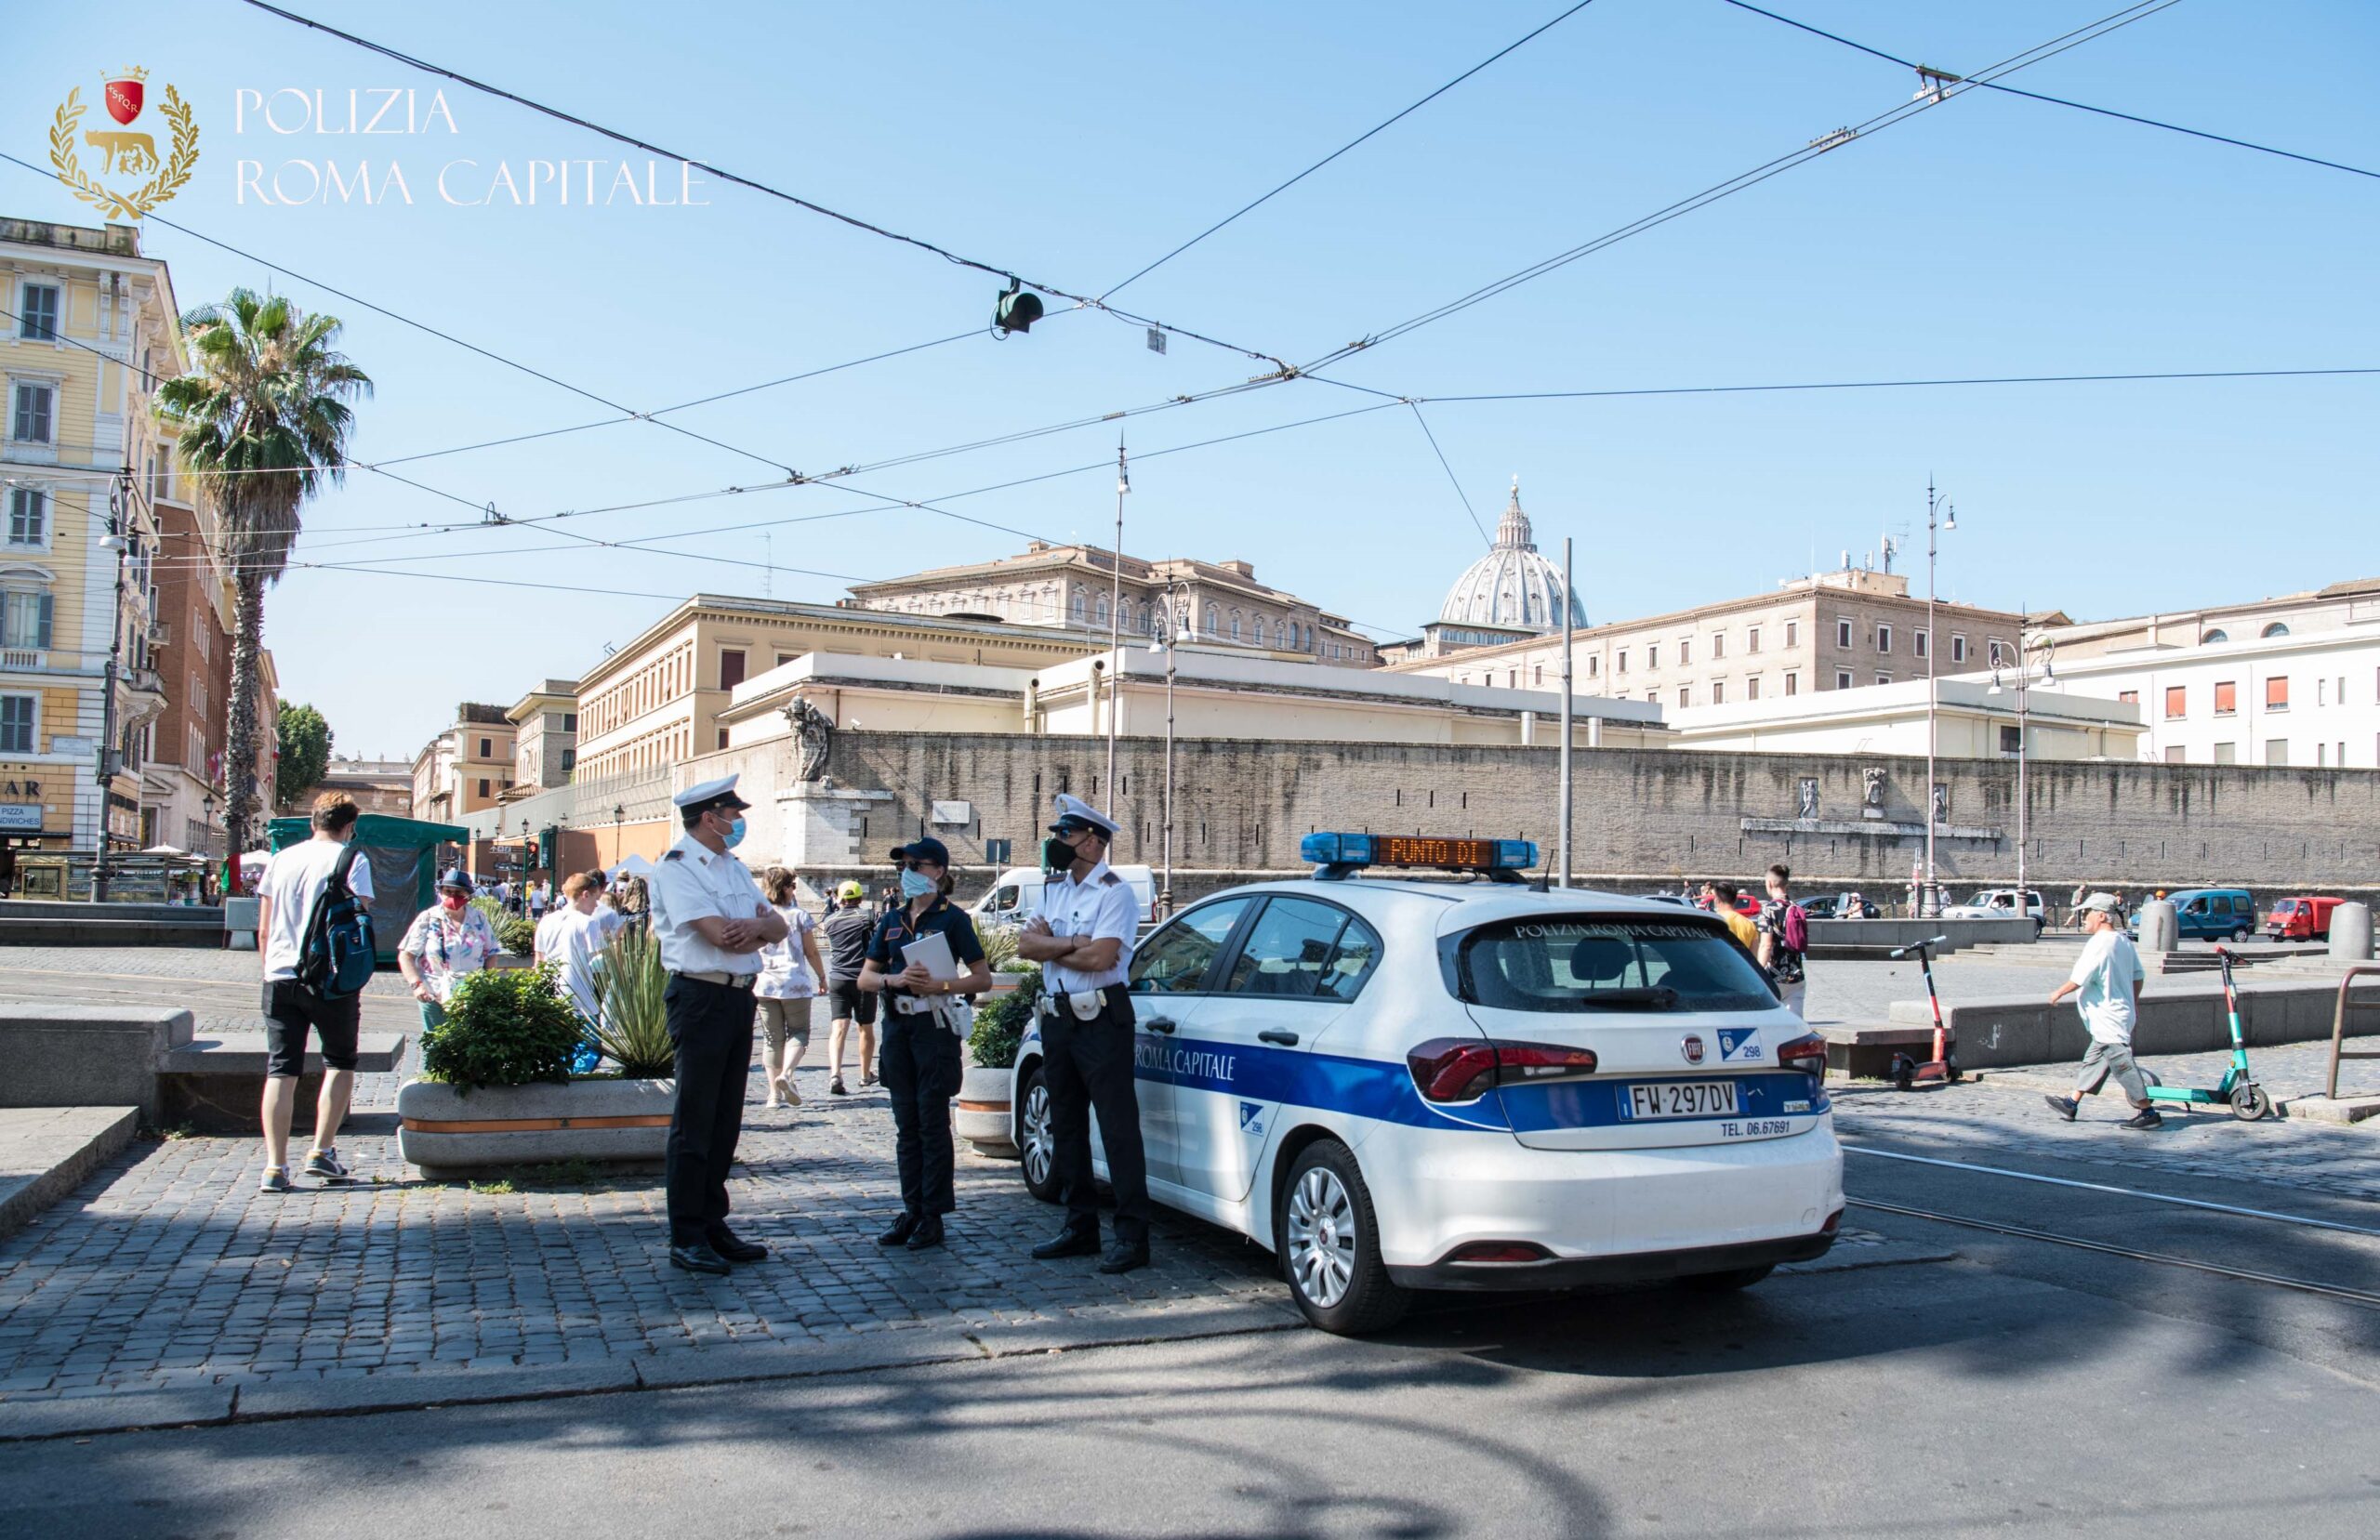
1401	1085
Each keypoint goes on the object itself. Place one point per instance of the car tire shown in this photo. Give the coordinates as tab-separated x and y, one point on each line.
1326	1239
1725	1283
1036	1147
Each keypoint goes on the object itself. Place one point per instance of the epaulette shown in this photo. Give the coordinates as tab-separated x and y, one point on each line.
673	855
1110	880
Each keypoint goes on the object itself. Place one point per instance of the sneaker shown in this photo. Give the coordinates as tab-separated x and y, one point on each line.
275	1179
326	1165
2062	1105
834	1088
2146	1118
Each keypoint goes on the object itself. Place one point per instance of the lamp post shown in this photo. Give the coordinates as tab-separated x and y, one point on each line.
1115	618
119	514
523	893
619	813
1939	515
1564	757
1172	630
2023	672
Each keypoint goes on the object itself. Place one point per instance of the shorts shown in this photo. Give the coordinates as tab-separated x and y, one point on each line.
289	1008
852	1003
783	1019
1793	993
2110	1059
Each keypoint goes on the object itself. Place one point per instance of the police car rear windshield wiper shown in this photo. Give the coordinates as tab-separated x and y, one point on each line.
1659	997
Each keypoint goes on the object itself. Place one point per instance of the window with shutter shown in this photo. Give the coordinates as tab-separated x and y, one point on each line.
37	312
31	418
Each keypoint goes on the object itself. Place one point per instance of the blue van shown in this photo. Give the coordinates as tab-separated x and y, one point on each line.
2211	914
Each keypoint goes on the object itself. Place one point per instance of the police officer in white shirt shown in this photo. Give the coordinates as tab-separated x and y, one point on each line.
711	921
1082	938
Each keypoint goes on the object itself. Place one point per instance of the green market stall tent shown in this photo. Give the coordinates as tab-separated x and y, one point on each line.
403	853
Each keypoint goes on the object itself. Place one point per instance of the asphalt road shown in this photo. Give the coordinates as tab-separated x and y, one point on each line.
2023	1386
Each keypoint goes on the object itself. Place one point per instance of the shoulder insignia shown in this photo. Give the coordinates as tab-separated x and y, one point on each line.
1110	880
674	855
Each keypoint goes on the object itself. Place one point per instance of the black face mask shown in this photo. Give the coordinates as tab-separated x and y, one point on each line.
1056	854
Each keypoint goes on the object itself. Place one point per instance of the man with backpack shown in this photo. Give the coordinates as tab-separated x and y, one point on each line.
311	923
1784	940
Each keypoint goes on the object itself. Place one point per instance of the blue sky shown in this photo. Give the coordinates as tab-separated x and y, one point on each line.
1990	236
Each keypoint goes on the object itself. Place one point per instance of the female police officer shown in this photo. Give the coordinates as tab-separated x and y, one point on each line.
919	1059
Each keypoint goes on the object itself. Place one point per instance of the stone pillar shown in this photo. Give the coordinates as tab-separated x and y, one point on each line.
2352	932
2161	927
821	825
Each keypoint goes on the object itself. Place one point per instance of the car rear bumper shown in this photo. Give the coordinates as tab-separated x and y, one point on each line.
1571	1272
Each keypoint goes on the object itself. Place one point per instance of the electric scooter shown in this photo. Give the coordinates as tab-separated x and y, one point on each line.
1943	1068
2249	1100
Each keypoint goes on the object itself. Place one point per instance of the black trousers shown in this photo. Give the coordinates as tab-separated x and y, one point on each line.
711	1025
919	1067
1087	1066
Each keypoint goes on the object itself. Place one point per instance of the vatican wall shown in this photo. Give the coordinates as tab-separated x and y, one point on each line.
1645	818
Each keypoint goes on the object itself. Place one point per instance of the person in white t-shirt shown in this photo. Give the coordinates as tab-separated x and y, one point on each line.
293	883
791	975
2108	977
572	939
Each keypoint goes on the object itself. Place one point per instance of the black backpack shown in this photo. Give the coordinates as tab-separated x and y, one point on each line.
337	957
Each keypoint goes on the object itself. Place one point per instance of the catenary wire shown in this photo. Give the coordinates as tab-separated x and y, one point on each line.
1384	124
2061	101
1452	479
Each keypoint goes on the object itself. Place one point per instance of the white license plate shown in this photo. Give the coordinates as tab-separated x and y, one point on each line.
1680	1099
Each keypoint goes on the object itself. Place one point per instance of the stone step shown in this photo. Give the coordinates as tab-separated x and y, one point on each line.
47	1151
204	931
214	1083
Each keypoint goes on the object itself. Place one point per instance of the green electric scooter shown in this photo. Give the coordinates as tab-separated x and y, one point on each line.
2249	1100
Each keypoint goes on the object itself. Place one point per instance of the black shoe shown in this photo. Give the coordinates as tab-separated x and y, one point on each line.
2062	1105
1069	1242
698	1258
2146	1118
1123	1257
927	1235
903	1228
728	1245
835	1087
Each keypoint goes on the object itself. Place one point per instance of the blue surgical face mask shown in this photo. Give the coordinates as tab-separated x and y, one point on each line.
735	834
915	885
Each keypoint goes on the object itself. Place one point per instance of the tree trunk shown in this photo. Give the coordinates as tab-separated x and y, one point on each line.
240	748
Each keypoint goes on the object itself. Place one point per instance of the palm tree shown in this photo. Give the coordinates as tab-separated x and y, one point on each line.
263	419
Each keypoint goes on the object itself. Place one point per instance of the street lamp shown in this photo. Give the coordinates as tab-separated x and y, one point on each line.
2023	678
1173	628
1939	515
619	812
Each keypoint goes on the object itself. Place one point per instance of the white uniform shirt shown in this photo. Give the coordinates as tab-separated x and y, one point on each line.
294	879
1102	905
689	883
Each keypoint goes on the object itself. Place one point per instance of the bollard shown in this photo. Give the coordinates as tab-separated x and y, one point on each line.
240	924
2161	927
2352	932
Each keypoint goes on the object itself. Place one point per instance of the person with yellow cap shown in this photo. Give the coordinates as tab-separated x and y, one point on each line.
847	928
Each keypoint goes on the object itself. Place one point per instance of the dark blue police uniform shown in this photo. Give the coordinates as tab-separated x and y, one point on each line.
919	1061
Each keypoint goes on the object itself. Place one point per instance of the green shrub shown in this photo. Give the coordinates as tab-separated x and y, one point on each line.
503	1027
517	936
633	1030
999	1026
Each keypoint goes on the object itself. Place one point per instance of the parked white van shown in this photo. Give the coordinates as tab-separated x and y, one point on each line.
1016	895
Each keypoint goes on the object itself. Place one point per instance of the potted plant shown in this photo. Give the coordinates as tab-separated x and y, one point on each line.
1008	971
984	1118
496	1088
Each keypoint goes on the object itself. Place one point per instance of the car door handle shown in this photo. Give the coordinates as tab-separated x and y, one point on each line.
1286	1039
1160	1023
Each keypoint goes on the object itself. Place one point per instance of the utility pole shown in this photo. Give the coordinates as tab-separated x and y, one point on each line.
119	514
1170	639
1116	617
1566	713
1929	899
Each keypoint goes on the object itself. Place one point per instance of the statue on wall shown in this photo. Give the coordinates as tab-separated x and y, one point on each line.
1874	777
1807	798
1941	802
815	733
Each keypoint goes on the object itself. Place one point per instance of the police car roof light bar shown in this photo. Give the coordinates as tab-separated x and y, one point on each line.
1341	856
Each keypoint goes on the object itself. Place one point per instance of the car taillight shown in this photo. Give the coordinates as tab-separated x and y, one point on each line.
1806	1053
1463	1069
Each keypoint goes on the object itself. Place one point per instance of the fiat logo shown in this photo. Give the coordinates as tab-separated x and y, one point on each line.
1692	1048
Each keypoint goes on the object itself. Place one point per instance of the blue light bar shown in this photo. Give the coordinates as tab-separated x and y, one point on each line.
1438	851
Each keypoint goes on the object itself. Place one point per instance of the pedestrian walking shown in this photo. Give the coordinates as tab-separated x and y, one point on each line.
544	947
540	897
1721	898
572	939
1082	937
2108	976
446	943
789	974
925	1022
294	882
504	894
1784	937
848	930
711	922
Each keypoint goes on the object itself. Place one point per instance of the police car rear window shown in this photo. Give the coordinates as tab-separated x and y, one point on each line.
1598	965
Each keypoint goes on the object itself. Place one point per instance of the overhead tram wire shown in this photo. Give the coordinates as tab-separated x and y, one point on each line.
618	137
1899	113
2061	101
1385	122
1452	479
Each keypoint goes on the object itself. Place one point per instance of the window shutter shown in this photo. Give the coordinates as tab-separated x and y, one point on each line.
41	625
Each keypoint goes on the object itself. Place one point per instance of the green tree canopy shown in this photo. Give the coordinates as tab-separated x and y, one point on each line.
305	753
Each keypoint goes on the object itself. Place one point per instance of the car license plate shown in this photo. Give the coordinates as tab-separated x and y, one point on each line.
1680	1099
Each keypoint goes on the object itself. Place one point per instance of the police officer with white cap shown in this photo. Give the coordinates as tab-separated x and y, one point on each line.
1083	938
711	922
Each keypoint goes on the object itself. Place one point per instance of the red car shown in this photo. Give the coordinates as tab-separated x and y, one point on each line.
2300	919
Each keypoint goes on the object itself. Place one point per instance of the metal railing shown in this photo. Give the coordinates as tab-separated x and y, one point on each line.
2338	1024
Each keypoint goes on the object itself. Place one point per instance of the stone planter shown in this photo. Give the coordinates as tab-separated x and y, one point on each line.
447	1133
982	1118
1006	983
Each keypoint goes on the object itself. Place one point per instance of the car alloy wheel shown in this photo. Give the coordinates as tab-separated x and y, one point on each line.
1322	1237
1034	1141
